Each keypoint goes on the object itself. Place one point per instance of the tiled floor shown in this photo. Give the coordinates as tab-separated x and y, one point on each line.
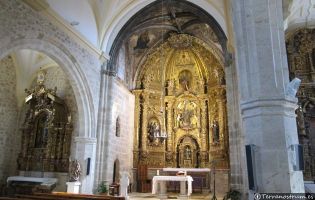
141	196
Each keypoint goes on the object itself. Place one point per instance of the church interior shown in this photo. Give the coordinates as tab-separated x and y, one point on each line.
156	99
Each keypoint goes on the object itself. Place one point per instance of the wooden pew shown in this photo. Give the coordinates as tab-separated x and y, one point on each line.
13	198
64	195
34	197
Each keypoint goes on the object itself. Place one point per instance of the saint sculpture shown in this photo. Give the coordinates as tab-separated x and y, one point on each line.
74	171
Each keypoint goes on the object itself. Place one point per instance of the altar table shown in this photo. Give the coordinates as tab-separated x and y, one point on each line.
32	179
161	180
27	185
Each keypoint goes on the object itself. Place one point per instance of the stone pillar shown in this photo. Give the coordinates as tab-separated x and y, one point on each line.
268	118
102	140
86	148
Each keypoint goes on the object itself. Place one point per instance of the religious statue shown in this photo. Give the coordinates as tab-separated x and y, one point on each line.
300	120
74	171
124	184
186	117
42	131
187	153
153	130
215	131
185	79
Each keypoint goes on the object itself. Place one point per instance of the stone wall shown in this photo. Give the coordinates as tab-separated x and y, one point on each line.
121	105
8	118
55	77
116	101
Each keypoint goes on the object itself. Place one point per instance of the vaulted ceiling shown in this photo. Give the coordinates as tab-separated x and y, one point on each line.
99	21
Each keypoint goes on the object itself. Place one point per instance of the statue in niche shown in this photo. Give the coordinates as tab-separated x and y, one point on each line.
42	131
153	130
74	171
187	153
185	79
215	132
300	120
186	117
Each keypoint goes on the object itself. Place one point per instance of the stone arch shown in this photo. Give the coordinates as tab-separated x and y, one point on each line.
71	68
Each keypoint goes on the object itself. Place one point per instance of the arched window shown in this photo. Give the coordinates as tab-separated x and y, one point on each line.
117	127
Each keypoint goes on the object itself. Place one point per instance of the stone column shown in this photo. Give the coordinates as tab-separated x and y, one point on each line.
86	148
102	127
268	118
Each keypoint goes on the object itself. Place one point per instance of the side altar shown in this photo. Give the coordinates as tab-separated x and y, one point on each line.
46	138
28	185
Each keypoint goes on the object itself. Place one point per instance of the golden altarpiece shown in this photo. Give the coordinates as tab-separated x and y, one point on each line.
180	116
46	131
301	59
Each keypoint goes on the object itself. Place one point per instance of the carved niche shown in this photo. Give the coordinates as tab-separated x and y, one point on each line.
46	131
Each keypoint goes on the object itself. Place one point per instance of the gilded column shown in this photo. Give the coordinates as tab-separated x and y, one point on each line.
221	100
144	131
203	126
204	154
170	156
169	127
136	128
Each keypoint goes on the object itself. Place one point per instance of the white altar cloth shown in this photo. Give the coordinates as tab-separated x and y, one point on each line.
157	179
44	181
